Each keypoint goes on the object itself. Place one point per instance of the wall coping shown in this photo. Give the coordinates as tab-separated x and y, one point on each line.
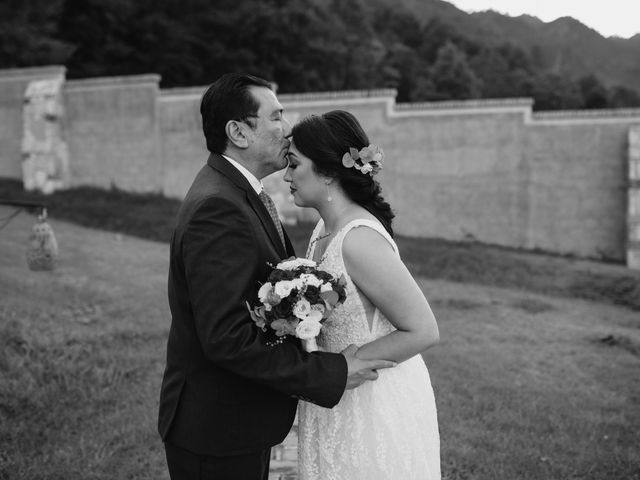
181	93
31	73
102	83
599	113
480	106
585	117
338	95
464	104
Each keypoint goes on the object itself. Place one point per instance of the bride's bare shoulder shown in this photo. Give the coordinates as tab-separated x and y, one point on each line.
365	243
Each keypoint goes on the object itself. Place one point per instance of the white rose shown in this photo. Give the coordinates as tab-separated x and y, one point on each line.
264	292
295	263
302	309
283	288
315	314
308	329
297	283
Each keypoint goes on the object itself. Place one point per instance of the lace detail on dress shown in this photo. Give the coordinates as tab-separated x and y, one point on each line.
383	429
348	324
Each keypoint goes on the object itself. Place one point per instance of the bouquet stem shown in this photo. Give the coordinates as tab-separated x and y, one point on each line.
310	345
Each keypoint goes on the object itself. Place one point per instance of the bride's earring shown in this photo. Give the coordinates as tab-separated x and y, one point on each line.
329	197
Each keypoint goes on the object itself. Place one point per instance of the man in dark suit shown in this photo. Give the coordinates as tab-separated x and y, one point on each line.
227	396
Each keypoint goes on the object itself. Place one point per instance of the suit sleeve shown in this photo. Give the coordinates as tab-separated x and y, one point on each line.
221	259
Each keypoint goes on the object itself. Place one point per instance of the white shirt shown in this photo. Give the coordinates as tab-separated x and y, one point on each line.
255	183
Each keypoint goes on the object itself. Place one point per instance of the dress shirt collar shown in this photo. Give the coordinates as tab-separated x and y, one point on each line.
255	183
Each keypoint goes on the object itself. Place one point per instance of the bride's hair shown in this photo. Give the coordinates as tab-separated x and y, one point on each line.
325	139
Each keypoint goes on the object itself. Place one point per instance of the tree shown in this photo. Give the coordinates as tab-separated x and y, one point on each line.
493	69
452	76
555	92
98	31
29	34
404	71
594	94
624	97
435	35
302	46
396	25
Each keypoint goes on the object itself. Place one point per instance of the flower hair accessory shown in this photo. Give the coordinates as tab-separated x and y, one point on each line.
367	160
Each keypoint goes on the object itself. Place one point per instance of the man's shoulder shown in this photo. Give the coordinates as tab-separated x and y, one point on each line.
209	187
211	183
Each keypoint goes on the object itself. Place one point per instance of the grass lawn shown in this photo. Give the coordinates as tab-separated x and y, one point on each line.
536	376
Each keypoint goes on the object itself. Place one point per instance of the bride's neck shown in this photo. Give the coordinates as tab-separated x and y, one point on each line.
333	213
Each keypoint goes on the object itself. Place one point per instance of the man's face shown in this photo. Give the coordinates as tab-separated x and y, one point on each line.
268	139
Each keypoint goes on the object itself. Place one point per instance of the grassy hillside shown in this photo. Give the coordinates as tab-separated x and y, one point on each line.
151	216
528	386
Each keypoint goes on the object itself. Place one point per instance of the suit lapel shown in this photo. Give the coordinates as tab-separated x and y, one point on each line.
223	166
290	250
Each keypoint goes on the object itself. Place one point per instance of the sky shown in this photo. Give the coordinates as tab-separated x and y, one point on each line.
611	17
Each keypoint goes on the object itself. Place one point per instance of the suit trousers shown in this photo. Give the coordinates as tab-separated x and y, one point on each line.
186	465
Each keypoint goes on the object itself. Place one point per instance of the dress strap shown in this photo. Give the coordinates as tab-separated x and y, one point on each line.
311	248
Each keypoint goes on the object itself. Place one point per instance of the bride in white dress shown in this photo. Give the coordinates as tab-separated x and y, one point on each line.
385	429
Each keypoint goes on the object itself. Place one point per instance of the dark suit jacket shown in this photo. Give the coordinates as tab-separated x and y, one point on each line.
224	391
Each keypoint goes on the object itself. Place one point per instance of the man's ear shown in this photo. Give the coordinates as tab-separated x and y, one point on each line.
236	133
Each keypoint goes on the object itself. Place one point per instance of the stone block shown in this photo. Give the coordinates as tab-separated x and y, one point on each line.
634	231
633	258
634	168
634	136
634	202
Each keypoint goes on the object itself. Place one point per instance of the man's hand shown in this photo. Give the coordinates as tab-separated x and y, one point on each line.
359	371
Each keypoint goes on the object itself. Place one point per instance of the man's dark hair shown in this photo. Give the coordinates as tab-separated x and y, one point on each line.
228	98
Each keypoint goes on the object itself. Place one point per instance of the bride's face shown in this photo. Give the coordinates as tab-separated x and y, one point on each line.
307	187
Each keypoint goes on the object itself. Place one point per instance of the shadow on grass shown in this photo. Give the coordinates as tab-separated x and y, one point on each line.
151	216
147	215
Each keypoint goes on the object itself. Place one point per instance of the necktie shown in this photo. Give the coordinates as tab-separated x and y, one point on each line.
271	208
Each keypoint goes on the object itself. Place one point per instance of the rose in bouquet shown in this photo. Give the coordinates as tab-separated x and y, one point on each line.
296	299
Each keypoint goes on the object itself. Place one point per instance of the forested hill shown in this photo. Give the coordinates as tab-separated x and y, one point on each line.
563	46
426	49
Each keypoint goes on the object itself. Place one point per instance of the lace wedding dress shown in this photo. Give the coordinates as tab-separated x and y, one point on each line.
385	429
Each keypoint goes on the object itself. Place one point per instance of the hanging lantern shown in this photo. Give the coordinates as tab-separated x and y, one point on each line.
42	249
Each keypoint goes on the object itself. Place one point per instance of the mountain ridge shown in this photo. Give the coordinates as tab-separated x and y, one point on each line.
565	45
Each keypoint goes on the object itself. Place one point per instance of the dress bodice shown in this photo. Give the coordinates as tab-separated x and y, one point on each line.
348	323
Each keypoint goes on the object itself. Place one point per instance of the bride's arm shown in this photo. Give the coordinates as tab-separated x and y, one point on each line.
383	278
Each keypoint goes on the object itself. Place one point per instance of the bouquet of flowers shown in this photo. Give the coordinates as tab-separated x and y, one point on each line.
296	300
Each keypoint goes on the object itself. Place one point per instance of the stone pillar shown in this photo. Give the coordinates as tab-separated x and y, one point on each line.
633	218
45	157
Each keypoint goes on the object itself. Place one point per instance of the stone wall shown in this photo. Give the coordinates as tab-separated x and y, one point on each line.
489	170
493	171
112	133
577	169
182	143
